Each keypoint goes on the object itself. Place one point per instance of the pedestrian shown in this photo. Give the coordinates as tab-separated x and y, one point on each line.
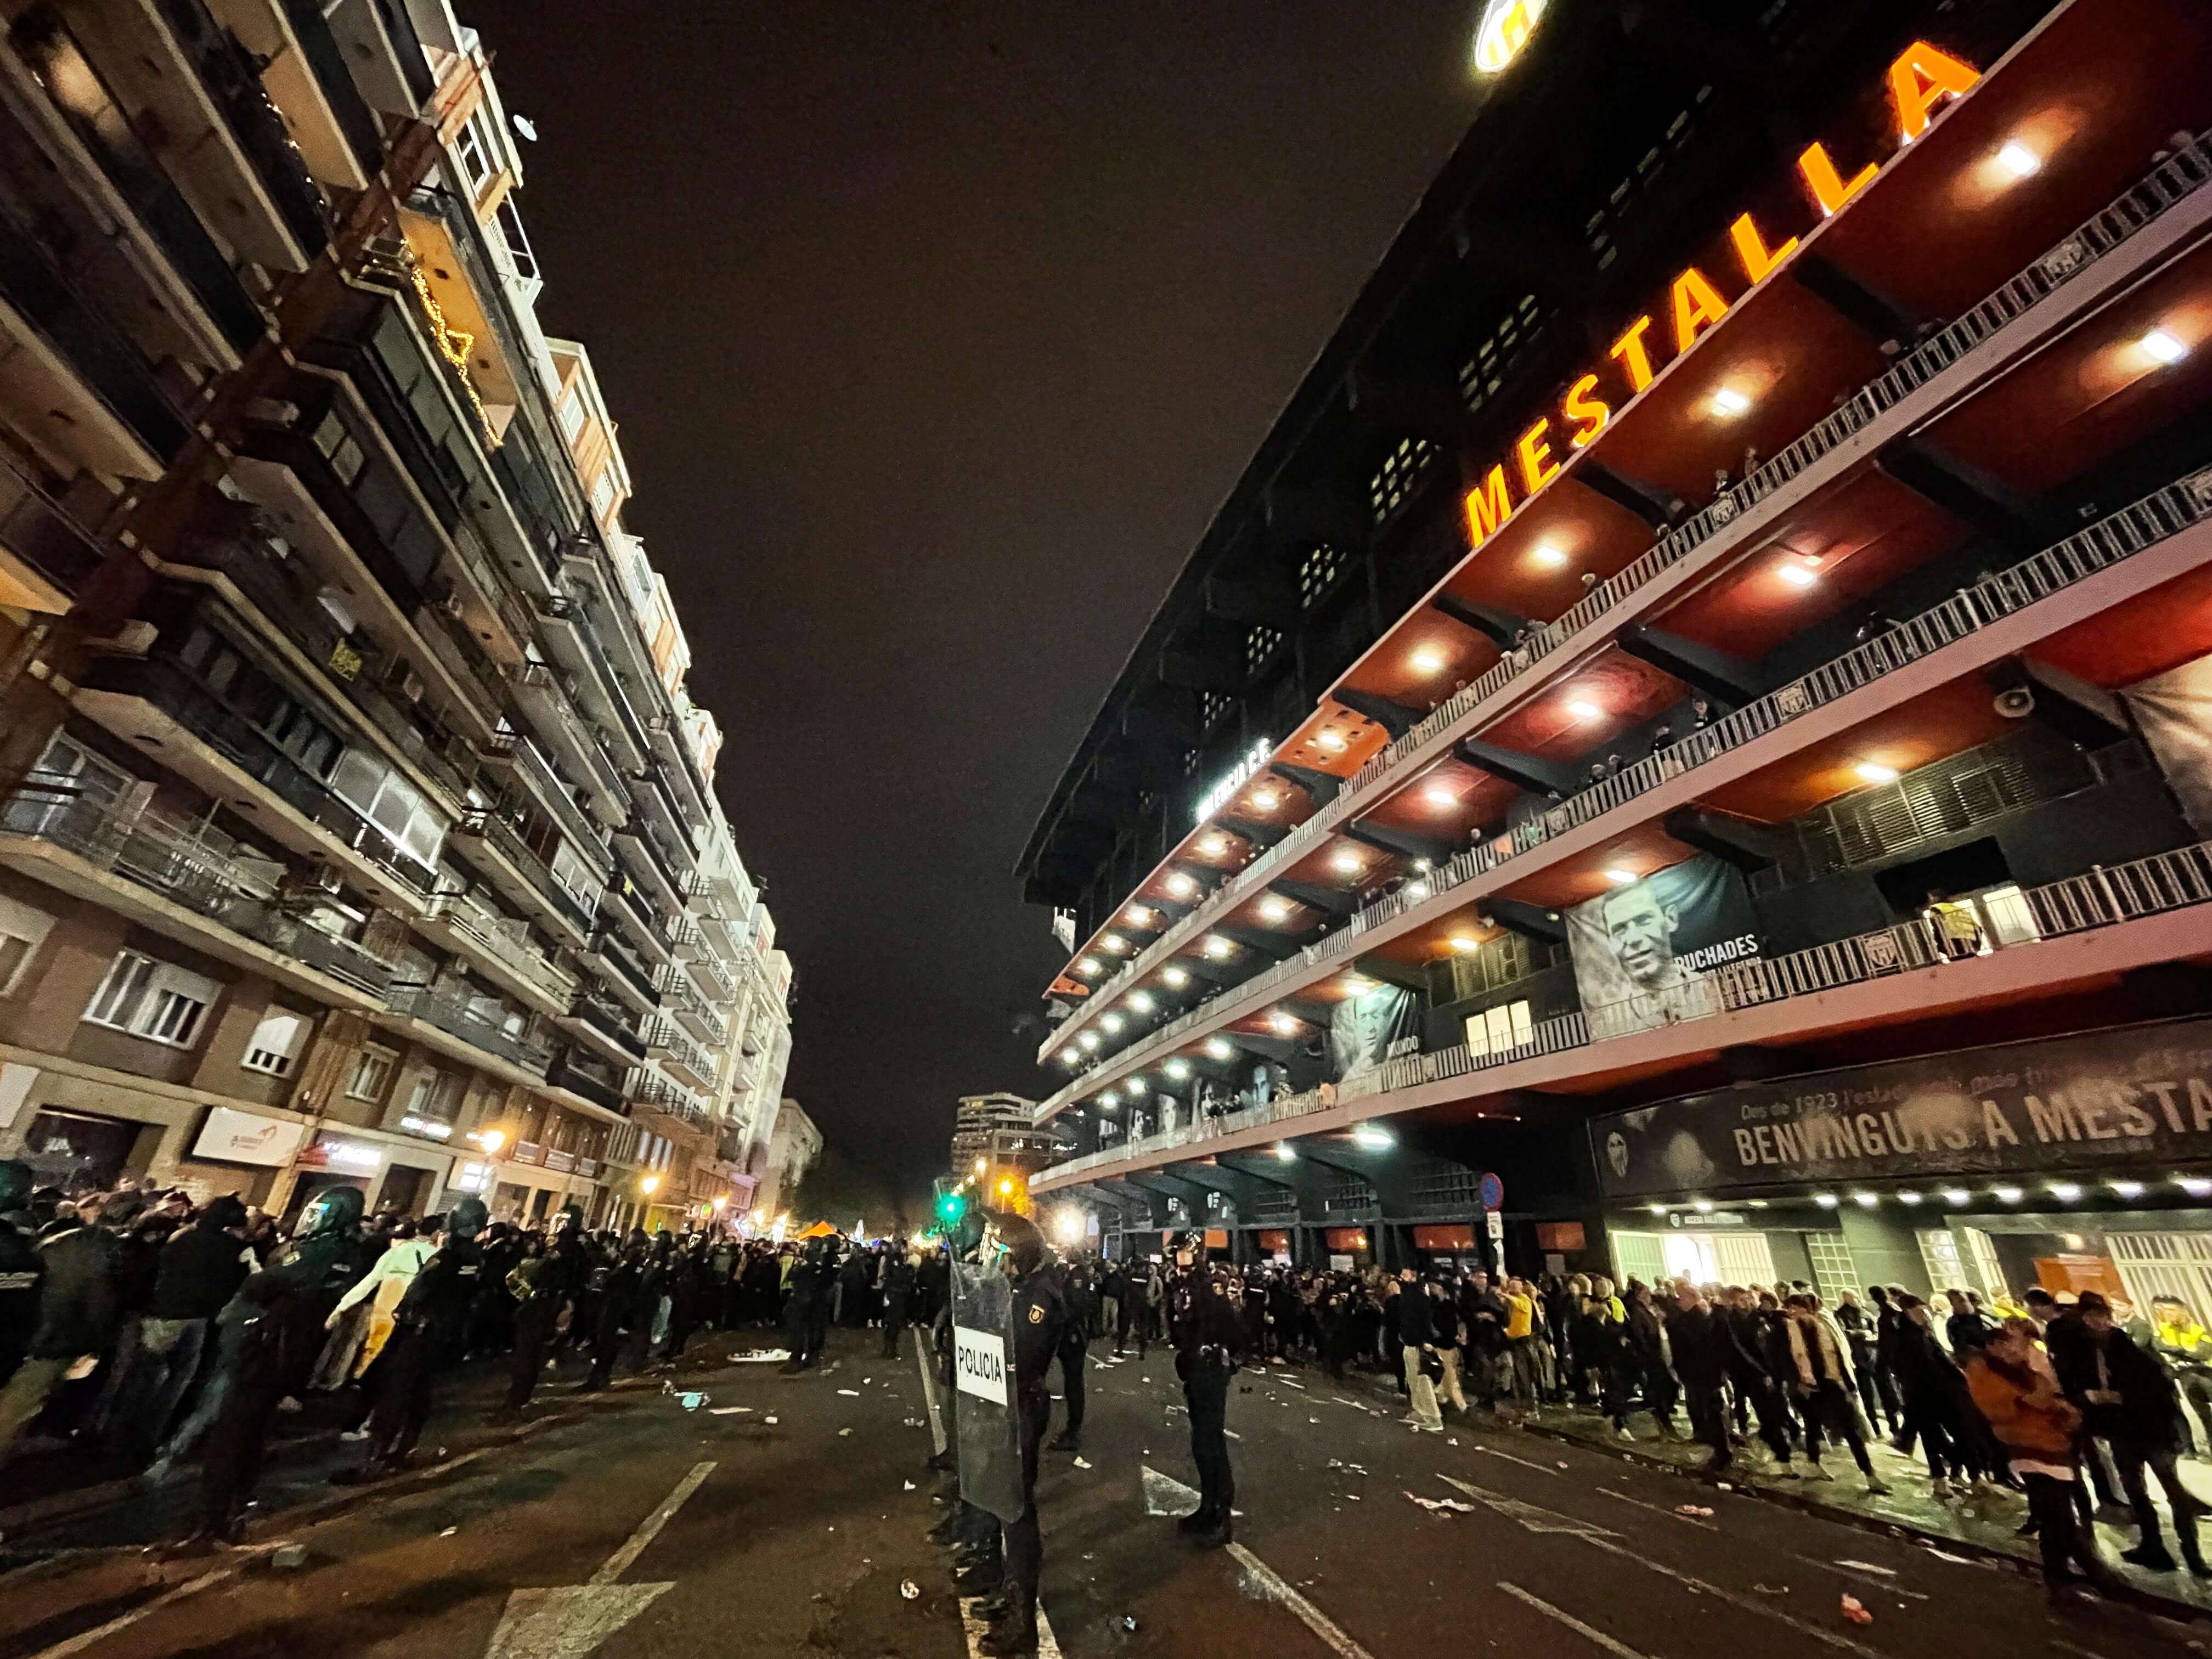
1863	1336
2177	1338
1937	1411
21	1268
1208	1349
1415	1330
428	1327
898	1296
1444	1319
1820	1377
77	1317
1073	1354
249	1380
1700	1339
542	1286
196	1274
2128	1401
2017	1392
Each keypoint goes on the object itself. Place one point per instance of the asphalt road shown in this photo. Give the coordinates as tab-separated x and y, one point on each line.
776	1518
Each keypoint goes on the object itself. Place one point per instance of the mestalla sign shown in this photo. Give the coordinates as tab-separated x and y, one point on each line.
2110	1098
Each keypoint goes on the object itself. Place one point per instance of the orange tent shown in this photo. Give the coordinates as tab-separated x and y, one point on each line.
820	1230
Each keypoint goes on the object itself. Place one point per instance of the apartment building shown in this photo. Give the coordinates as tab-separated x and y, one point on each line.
1684	752
358	827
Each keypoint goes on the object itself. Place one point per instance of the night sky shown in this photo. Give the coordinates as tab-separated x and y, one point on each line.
935	334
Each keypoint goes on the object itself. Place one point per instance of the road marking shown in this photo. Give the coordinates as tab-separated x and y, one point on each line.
84	1639
1671	1515
1308	1615
567	1621
1540	1468
1619	1650
1165	1495
649	1528
1544	1521
929	1395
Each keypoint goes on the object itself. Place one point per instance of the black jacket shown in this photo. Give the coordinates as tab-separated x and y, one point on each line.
1415	1327
200	1268
21	1269
77	1311
1702	1344
439	1297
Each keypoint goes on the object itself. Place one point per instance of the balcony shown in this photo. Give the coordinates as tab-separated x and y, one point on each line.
75	385
534	773
81	102
46	555
613	1032
497	848
665	1041
623	975
545	700
649	1087
568	629
304	77
570	1072
480	1025
500	948
627	904
380	43
2061	290
213	894
681	996
157	706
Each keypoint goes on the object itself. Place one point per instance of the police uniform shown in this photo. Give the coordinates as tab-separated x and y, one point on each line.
1208	1337
1040	1321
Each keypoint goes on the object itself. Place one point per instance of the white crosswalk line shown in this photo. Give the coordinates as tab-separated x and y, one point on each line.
1618	1650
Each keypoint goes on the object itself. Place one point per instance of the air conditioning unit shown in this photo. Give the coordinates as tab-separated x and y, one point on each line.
451	606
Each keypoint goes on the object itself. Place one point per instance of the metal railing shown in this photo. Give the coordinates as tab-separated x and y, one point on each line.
2103	896
458	1017
2185	172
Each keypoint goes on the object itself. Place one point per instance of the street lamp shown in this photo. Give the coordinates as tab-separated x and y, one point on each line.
491	1140
649	1185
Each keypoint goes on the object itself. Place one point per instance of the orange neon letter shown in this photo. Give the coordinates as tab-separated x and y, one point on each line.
1488	507
1629	348
1581	406
1698	304
1537	466
1829	188
1751	248
1921	79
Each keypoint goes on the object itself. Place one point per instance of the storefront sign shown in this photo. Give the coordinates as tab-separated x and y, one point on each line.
1561	1236
349	1157
234	1137
1714	1219
1505	27
1920	80
1218	797
2110	1098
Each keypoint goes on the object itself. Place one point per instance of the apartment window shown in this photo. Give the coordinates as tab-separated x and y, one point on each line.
436	1096
572	414
1495	1030
339	447
372	1073
22	931
152	999
577	878
472	153
391	803
603	495
518	244
275	1044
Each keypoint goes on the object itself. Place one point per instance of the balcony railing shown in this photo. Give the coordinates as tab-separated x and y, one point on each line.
652	1088
603	945
618	1025
1539	655
327	60
2157	517
566	1072
2105	897
190	865
506	940
41	535
662	1036
494	828
458	1017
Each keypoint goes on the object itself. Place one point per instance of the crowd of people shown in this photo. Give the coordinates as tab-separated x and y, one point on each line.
145	1330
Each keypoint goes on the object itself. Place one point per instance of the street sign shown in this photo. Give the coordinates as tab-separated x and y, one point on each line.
1492	1191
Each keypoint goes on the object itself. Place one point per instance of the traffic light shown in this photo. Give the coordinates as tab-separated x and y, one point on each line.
951	1207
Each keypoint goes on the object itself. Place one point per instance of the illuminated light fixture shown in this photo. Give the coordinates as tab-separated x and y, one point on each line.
1114	941
2065	1191
1176	978
1505	29
1069	1056
2126	1189
1908	1198
1141	1001
1007	1187
1621	877
1825	1201
1582	709
1865	1201
1284	1025
1373	1138
1758	1204
1274	908
1089	1040
1088	965
1136	1086
1213	846
980	1166
1219	1048
1419	889
1796	573
1346	863
1138	917
2162	348
2195	1186
649	1184
1658	1209
1217	946
1421	865
2006	1195
2020	161
1464	945
1178	1069
1702	1206
1332	741
1875	772
1428	660
491	1140
1957	1195
1285	1151
1111	1097
1549	556
1730	403
1439	794
1357	984
1112	1023
1181	886
1266	799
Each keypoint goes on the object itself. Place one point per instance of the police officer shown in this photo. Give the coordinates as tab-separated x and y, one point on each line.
806	1319
428	1327
19	1267
1039	1322
326	1258
898	1296
1209	1339
542	1286
1074	1353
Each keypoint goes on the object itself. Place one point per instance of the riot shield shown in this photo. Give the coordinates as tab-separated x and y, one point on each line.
986	1411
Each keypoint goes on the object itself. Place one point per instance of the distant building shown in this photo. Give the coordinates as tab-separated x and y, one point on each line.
794	1144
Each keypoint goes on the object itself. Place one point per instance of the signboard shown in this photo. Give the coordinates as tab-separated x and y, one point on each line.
335	1152
1643	952
1492	1191
231	1136
985	1412
1497	1227
1559	1236
2138	1095
1505	27
1237	776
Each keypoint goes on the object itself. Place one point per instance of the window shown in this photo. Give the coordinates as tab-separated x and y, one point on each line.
275	1044
22	931
337	446
1494	1030
436	1096
472	154
152	999
577	878
1833	1270
572	414
372	1073
1939	1254
391	803
603	495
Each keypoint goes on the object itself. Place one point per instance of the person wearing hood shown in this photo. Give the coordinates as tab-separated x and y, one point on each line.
77	1314
196	1274
362	1323
21	1268
429	1327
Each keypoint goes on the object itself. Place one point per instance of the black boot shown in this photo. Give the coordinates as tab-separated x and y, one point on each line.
1196	1520
1016	1634
1218	1536
1067	1441
947	1531
2150	1555
982	1578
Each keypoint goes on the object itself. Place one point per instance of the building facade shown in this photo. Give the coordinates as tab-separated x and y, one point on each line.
358	827
794	1144
1685	749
